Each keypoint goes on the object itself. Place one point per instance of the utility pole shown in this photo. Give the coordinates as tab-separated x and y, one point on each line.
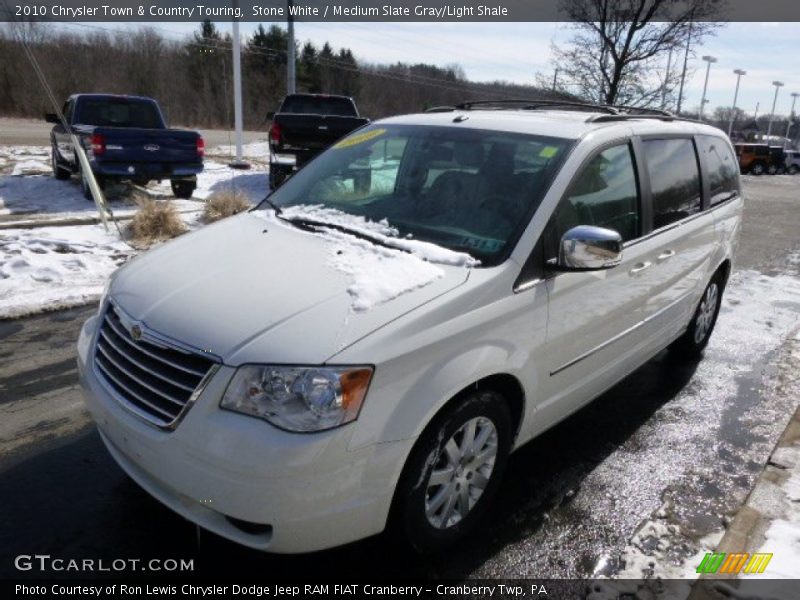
791	117
778	85
238	162
739	74
710	60
290	50
685	65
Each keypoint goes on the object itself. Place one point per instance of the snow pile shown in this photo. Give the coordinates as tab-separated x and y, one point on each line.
55	267
378	274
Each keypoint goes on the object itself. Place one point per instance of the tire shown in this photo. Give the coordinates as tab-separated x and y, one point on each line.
59	172
439	498
772	170
758	169
792	170
183	188
277	175
692	343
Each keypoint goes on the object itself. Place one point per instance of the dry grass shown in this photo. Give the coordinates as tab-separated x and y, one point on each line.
154	222
225	203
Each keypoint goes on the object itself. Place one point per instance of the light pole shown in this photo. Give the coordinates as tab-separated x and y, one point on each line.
710	60
791	116
739	74
290	50
238	162
778	85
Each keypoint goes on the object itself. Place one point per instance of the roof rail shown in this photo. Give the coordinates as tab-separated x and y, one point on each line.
535	104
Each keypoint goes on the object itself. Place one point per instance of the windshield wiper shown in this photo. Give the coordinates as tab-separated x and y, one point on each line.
313	224
278	210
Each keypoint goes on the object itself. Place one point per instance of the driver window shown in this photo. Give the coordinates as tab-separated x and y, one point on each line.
605	194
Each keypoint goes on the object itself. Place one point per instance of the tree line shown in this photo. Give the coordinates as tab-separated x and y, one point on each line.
192	78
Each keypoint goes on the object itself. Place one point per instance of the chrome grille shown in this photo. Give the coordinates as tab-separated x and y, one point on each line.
155	380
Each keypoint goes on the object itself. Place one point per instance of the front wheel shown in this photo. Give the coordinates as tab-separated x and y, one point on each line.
183	188
793	170
59	172
695	339
757	169
453	472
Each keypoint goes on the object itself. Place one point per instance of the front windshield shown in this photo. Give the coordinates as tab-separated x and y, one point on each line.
467	190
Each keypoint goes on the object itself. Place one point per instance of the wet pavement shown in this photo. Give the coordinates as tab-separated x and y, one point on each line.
636	482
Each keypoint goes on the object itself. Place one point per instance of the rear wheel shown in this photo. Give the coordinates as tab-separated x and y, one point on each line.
772	170
758	169
183	188
453	472
59	172
793	170
277	175
695	339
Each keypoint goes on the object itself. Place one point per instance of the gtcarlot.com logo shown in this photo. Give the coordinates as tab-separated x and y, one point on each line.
46	562
734	563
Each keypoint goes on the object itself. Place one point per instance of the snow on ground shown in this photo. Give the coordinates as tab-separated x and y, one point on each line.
765	307
55	267
27	186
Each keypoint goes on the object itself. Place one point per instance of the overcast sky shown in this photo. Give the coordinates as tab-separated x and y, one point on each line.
516	51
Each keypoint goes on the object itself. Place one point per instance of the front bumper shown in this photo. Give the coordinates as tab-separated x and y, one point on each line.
294	492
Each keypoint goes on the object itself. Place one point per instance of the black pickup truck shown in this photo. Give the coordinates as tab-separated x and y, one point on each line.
303	126
125	137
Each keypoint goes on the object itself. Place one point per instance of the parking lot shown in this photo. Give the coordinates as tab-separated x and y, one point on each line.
639	482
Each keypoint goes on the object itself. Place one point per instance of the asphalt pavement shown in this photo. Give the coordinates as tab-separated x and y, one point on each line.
664	458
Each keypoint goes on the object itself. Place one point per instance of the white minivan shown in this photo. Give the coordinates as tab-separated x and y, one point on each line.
368	345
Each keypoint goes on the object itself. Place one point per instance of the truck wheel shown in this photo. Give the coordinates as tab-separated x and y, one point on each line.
691	344
59	172
757	169
277	175
793	170
183	188
772	170
453	472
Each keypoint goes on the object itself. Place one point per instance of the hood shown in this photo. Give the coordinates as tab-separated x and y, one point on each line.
253	289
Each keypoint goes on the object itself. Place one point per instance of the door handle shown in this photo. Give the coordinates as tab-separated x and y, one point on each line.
666	254
639	267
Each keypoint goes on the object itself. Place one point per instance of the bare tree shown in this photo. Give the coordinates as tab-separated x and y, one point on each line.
619	49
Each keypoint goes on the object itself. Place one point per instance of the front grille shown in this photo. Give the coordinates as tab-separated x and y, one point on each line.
154	379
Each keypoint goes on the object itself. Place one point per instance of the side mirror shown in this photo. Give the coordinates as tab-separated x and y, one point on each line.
589	248
52	118
271	115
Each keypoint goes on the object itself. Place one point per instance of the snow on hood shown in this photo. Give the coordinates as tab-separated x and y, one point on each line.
253	288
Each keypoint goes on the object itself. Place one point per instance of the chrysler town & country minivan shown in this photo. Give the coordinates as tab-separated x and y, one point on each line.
348	356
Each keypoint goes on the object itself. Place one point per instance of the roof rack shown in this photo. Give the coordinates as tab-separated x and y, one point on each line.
535	104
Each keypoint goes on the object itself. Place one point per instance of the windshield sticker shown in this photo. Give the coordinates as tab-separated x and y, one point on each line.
548	152
482	244
359	138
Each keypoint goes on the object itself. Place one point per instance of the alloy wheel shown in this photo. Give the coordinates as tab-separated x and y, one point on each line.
706	313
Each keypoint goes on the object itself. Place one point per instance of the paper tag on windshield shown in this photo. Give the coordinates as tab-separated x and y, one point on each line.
359	138
548	152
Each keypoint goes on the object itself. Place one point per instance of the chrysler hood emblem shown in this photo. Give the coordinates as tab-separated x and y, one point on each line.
136	333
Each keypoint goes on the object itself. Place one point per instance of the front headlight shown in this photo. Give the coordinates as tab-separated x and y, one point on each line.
299	399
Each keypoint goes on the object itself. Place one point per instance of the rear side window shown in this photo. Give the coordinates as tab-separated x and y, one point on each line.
319	105
674	179
605	194
722	168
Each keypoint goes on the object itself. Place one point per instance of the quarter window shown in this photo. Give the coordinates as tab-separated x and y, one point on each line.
605	194
674	179
722	168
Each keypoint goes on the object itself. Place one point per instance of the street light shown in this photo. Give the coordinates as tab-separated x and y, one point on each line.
739	74
791	116
709	60
778	85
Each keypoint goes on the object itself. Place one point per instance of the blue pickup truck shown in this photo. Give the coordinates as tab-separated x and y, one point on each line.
125	137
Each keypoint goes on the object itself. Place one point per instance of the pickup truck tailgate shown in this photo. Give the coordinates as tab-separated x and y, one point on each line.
149	145
315	131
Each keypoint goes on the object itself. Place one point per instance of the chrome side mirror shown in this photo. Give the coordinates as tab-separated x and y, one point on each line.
589	248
